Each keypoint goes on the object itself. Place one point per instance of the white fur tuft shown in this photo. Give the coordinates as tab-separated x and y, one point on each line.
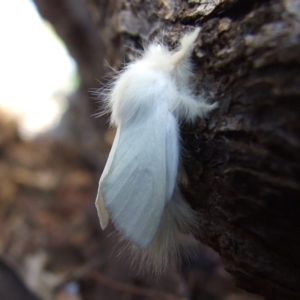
164	252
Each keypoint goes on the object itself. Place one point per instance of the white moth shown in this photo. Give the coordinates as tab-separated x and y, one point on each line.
138	188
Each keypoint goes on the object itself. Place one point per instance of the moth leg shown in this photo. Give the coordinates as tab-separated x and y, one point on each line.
191	108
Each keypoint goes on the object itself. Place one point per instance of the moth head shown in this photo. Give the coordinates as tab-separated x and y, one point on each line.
159	56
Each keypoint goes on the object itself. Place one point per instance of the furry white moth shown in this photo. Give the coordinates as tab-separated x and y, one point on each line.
138	188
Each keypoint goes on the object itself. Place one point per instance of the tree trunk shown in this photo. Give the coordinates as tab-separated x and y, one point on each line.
243	164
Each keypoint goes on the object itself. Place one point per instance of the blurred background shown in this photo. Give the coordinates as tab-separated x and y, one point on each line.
52	152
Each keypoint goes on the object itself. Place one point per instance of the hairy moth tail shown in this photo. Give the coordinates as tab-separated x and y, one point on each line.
165	250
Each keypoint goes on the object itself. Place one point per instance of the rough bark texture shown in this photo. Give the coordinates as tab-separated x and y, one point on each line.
243	164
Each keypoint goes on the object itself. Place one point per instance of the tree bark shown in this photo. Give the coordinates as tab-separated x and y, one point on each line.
243	164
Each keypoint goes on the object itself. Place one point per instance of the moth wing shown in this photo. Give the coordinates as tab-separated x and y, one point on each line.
172	154
139	176
102	212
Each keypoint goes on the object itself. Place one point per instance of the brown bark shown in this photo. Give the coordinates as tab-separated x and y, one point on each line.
243	164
